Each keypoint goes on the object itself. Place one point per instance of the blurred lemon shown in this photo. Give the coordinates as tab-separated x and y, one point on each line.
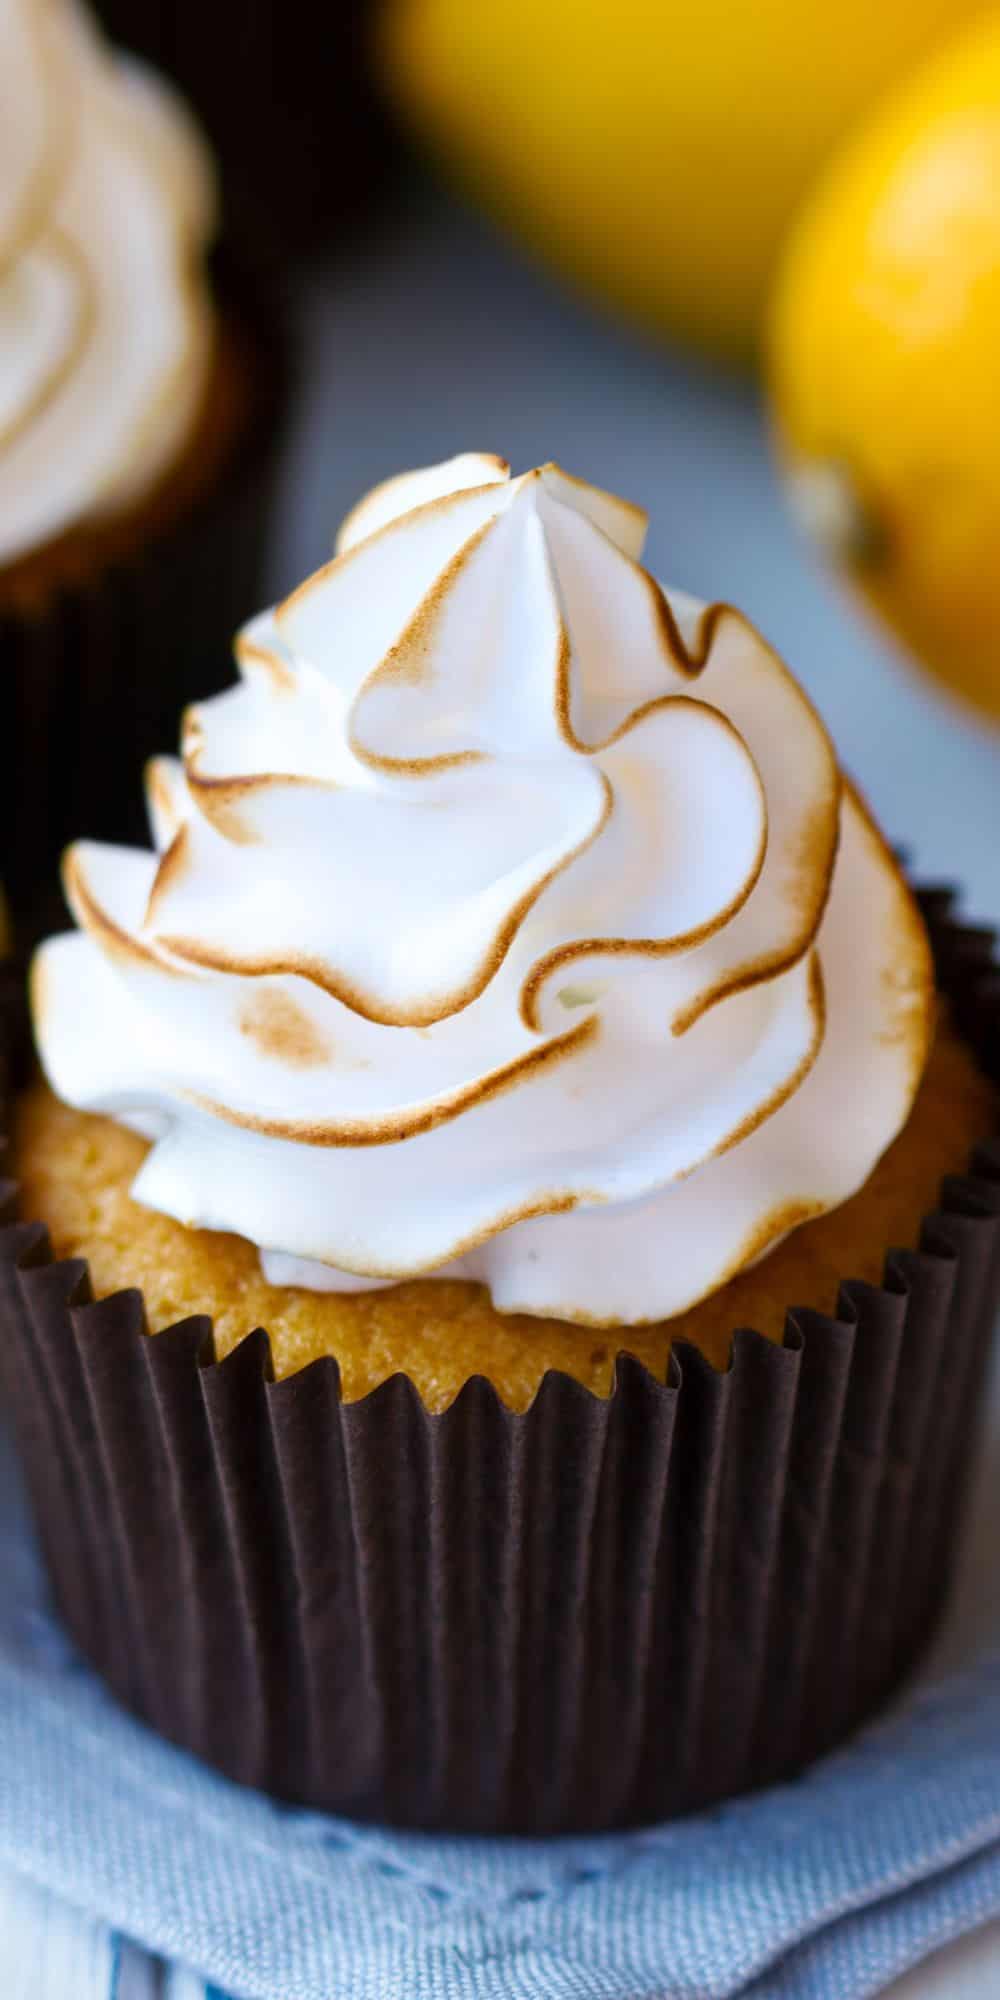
885	360
652	148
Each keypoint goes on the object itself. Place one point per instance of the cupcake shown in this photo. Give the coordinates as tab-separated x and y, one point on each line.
135	420
508	1361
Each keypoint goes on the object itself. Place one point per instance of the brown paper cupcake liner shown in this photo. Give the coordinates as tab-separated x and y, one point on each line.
592	1614
93	682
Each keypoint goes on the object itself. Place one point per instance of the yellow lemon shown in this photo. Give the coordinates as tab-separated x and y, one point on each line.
885	360
653	149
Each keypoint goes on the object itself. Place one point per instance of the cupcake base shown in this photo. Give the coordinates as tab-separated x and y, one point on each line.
78	1171
592	1613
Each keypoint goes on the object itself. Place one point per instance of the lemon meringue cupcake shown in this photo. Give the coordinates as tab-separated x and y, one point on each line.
129	402
518	1001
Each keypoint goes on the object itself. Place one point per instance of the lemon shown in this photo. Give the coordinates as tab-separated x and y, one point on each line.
653	149
885	361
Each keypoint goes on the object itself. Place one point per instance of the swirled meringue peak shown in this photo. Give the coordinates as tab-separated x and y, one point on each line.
107	202
510	919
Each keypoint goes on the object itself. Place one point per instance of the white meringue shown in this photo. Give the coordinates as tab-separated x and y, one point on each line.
107	204
498	926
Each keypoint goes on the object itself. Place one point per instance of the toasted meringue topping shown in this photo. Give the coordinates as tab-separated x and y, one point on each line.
107	204
509	919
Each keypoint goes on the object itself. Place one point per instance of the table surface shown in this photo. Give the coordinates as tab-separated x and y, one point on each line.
434	336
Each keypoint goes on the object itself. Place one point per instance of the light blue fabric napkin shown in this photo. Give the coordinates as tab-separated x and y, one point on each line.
115	1849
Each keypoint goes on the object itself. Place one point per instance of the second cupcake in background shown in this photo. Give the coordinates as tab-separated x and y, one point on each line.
518	1002
137	420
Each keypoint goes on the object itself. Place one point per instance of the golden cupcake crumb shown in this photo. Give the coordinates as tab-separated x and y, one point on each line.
75	1172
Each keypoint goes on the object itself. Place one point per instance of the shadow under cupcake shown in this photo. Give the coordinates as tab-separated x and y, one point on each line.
518	1005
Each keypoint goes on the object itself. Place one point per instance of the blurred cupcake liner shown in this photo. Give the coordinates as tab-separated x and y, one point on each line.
91	680
595	1613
